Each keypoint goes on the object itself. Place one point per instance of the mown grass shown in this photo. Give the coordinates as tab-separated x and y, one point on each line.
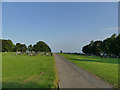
105	68
24	71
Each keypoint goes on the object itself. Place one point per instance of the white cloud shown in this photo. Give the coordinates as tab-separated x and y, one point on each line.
112	29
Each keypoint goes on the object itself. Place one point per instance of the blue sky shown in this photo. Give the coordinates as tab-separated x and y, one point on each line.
63	26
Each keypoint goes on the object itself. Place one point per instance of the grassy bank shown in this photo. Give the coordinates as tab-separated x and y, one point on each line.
24	71
105	68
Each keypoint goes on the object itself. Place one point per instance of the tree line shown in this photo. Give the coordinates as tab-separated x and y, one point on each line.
8	46
108	47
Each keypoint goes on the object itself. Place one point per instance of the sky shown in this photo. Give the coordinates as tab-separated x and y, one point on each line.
66	26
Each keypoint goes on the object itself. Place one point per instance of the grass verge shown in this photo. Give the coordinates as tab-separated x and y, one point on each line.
105	68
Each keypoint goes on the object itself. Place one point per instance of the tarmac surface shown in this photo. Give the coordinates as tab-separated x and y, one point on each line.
72	76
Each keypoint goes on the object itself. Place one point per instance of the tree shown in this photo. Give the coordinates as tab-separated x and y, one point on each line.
86	49
41	46
61	51
30	48
20	47
17	47
117	48
7	45
23	48
96	48
0	45
109	47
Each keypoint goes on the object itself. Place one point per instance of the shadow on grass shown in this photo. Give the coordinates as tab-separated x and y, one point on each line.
9	85
100	61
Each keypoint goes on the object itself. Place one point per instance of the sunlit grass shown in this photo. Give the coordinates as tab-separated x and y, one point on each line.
28	71
106	68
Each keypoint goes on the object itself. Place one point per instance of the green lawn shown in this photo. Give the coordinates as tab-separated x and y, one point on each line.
24	71
106	68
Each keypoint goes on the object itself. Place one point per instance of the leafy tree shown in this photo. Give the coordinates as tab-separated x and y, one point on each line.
109	47
7	45
96	48
117	47
17	47
20	47
86	49
30	48
0	45
41	46
23	48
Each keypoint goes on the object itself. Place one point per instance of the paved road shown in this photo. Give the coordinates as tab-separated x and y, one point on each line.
72	76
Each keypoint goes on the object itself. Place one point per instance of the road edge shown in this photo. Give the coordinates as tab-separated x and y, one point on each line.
92	74
57	80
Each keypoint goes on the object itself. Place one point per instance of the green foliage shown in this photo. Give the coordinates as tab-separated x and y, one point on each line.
0	45
117	46
20	47
30	48
41	47
109	47
93	48
23	48
105	68
7	45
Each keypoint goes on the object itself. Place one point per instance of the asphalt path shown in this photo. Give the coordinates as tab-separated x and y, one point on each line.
72	76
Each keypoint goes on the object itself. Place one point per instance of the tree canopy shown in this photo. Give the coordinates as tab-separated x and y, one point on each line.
41	46
30	48
20	47
109	47
7	45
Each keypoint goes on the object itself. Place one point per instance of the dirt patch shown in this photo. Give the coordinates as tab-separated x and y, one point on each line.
33	78
28	79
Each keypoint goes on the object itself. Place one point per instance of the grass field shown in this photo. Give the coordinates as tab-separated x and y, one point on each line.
24	71
105	68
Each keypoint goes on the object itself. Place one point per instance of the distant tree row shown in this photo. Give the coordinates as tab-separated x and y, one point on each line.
108	47
7	45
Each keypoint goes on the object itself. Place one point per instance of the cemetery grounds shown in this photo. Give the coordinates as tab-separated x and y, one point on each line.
25	71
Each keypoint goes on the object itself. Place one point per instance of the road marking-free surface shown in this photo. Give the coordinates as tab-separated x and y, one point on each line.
72	76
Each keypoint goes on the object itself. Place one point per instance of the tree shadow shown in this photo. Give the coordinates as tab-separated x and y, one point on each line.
100	61
17	86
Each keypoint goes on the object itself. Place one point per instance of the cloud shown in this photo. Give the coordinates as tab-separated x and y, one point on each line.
112	29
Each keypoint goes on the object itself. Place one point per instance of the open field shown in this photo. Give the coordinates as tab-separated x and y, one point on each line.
105	68
24	71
